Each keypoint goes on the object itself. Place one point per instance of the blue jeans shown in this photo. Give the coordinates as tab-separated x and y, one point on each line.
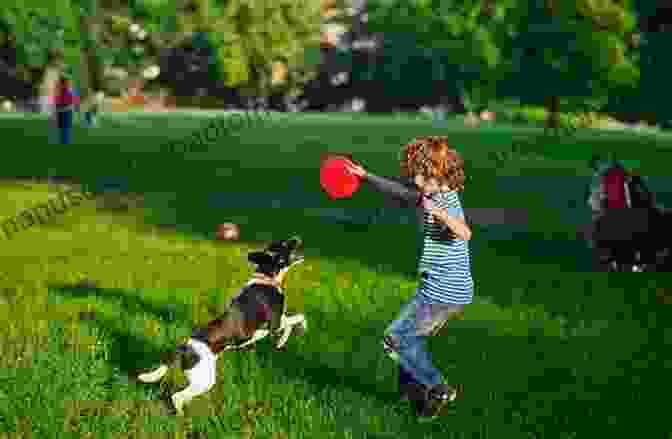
64	122
408	334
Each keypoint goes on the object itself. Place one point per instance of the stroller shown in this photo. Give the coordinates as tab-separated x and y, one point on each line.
628	232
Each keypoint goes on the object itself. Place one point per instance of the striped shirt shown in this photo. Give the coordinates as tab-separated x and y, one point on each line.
444	263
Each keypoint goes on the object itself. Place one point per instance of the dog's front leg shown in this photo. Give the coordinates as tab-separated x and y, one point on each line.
293	320
258	335
286	325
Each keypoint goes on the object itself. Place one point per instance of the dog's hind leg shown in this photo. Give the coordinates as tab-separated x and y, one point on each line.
201	379
258	335
155	375
184	396
160	372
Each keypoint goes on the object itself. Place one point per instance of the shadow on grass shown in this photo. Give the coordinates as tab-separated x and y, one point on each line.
130	302
533	383
134	354
529	383
130	352
356	233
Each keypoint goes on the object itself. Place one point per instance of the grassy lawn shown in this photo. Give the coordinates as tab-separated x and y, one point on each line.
547	350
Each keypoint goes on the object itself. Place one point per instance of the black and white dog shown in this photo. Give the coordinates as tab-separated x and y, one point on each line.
258	311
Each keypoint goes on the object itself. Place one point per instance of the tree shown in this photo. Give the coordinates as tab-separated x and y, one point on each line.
650	101
245	43
434	46
91	74
35	33
576	46
249	36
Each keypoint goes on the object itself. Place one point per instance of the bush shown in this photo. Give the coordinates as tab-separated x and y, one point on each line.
520	114
203	102
532	115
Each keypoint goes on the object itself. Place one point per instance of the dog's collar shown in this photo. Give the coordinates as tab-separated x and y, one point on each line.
258	278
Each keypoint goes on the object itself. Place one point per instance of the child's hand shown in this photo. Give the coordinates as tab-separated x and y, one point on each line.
438	214
427	203
435	212
354	169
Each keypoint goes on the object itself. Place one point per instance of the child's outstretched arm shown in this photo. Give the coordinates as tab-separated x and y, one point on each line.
409	196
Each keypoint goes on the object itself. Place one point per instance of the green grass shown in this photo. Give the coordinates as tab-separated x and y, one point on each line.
547	349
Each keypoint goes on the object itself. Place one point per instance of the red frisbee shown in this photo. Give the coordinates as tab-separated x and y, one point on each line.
335	179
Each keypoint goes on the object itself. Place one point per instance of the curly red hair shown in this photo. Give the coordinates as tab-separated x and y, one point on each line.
433	157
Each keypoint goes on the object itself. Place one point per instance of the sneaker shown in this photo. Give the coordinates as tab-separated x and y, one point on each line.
437	398
391	348
412	392
443	392
428	410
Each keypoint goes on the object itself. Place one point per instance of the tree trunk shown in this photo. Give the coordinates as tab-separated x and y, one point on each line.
48	86
553	113
91	68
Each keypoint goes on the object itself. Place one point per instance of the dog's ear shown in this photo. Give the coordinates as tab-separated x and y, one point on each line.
260	258
294	242
276	246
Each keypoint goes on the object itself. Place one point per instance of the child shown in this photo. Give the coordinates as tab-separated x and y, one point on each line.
94	104
64	103
446	284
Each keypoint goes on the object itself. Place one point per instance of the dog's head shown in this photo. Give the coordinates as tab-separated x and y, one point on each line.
278	257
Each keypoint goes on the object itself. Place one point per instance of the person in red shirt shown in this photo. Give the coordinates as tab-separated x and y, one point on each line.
628	228
64	104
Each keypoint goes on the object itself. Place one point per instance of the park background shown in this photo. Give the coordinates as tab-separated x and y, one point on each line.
548	349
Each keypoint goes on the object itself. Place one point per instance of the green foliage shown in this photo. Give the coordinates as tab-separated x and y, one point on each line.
654	94
521	114
248	36
570	121
576	46
58	10
245	36
37	31
155	284
431	43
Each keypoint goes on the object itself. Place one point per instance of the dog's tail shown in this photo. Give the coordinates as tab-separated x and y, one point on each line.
155	375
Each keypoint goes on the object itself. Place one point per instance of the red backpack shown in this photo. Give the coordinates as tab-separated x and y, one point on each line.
616	189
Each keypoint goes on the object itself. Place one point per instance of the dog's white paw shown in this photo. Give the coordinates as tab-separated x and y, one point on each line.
301	328
178	404
285	336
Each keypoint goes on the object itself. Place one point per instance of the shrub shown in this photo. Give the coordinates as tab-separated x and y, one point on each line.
520	114
533	115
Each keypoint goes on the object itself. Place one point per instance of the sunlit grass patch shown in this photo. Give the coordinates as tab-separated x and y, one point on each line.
545	349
